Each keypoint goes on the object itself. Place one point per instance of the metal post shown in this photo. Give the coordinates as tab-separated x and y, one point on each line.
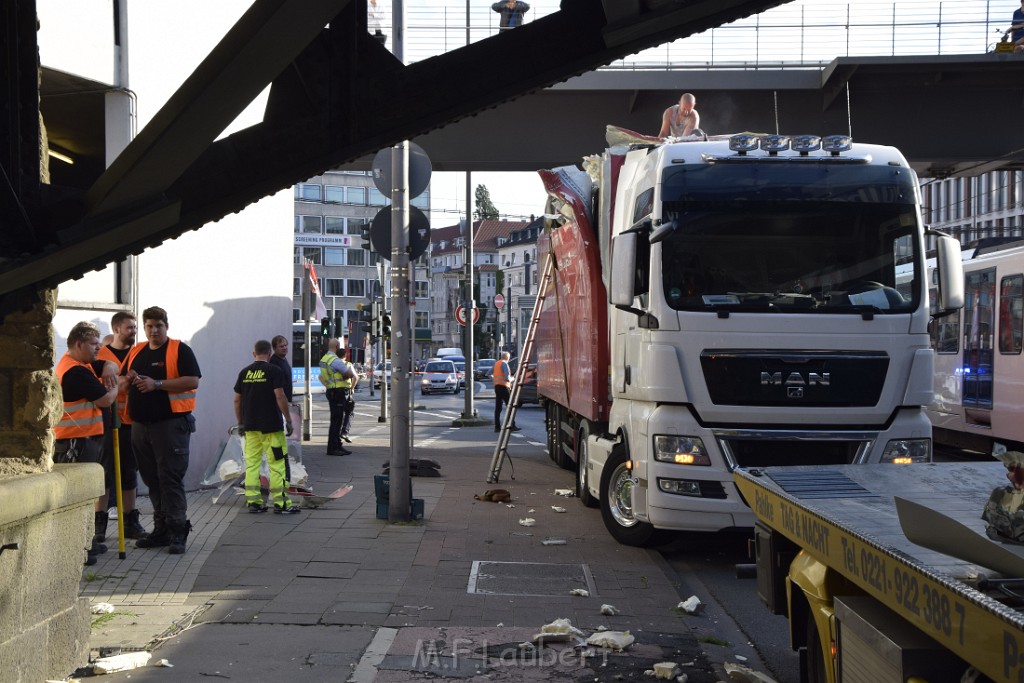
382	348
469	307
307	398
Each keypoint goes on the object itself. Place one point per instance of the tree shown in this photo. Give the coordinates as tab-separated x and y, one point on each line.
485	209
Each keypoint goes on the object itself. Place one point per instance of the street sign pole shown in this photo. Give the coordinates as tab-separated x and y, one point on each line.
470	305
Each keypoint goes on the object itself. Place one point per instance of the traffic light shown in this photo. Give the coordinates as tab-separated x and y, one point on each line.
364	235
325	327
385	326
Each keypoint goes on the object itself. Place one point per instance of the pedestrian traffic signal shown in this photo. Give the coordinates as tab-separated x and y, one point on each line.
325	327
385	326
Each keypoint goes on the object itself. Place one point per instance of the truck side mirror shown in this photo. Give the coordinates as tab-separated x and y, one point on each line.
623	275
951	273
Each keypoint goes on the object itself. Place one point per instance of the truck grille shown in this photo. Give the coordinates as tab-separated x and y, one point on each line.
768	453
794	379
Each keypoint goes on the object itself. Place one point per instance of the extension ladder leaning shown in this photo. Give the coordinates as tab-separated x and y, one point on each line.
501	448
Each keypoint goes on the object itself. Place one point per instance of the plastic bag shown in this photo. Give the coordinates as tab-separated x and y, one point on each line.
230	464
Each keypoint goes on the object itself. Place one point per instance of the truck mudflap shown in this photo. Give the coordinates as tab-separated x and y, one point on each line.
845	518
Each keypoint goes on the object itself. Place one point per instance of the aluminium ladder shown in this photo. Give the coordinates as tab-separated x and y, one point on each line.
501	448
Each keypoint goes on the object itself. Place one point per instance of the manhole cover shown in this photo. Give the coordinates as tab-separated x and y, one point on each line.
529	578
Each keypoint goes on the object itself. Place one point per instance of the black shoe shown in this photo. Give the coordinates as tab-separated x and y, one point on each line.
256	508
289	510
90	559
158	539
339	451
178	539
497	428
100	528
514	428
133	527
97	548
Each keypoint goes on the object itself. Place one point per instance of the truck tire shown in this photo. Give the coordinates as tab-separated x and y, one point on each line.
558	445
582	460
815	658
617	504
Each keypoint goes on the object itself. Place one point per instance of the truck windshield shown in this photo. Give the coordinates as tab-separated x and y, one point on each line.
775	245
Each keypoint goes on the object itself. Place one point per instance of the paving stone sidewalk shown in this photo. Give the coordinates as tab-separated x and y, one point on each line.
334	594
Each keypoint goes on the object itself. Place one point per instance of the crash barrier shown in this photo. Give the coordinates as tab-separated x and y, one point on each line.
382	488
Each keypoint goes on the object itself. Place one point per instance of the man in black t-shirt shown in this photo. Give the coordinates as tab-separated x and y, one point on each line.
163	374
261	410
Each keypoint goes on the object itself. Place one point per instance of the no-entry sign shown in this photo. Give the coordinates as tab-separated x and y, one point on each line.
499	301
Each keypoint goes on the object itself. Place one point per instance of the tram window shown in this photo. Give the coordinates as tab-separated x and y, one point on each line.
945	330
1011	314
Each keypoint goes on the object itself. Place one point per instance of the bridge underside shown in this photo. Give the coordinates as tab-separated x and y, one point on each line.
337	95
916	104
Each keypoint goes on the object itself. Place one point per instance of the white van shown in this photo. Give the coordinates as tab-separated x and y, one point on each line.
442	353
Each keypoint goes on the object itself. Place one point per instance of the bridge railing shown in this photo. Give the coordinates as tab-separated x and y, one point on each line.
798	34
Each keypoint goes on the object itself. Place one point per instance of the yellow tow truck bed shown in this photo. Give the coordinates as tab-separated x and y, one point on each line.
845	516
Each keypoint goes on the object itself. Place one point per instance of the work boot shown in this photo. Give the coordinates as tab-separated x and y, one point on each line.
133	527
100	530
158	539
178	538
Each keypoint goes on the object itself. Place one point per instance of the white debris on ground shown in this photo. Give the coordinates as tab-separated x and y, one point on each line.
164	663
122	662
510	505
580	593
740	658
613	640
557	508
102	608
743	674
691	605
568	493
553	541
527	521
609	610
558	630
665	671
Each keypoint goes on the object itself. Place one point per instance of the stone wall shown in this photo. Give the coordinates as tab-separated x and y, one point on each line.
44	625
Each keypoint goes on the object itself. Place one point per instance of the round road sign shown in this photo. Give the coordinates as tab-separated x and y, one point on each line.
460	315
499	301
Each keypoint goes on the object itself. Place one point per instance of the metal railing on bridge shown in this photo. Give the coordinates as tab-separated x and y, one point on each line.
800	34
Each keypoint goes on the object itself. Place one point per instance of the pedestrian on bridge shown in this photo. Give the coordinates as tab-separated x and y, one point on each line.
512	12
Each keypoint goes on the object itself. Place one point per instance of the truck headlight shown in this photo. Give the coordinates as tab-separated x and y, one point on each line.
682	450
906	451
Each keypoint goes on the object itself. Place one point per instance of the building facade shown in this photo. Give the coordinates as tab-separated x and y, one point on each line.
517	258
332	212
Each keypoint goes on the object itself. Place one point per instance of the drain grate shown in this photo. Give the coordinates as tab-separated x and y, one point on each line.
529	578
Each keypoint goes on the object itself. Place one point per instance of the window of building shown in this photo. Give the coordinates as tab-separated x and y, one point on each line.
296	286
296	315
334	225
314	254
355	225
356	257
334	256
334	194
308	225
422	289
526	257
376	197
1011	314
356	195
421	319
307	192
356	287
334	286
422	201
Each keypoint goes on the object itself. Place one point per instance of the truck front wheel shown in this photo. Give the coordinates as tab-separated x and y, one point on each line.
617	484
582	460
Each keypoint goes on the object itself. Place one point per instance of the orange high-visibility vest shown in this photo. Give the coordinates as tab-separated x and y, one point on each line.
183	402
81	418
122	396
500	374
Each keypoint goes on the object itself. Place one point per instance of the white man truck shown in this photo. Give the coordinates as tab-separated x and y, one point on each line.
878	585
747	301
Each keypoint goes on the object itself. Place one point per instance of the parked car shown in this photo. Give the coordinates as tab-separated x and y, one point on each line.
483	368
380	373
439	375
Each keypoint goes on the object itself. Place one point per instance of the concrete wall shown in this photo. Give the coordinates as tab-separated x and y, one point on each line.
225	285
